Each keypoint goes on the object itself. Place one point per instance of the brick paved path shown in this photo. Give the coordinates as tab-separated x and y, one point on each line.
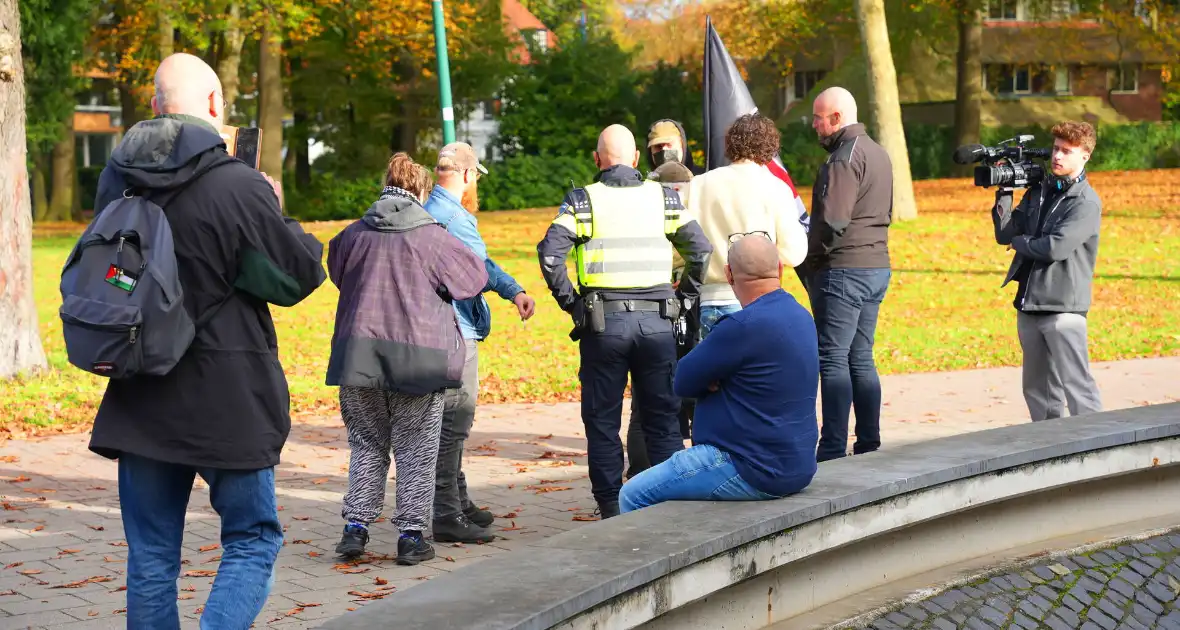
61	541
1132	586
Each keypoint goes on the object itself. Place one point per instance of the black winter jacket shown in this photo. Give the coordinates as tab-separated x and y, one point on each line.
226	404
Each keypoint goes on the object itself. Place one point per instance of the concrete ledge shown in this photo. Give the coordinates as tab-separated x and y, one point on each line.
632	569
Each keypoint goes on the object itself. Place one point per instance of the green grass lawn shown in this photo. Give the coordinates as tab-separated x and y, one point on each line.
945	309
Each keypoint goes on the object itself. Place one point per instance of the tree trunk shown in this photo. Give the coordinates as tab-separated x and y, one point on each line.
884	103
270	102
969	80
300	133
231	56
20	343
405	132
165	32
63	195
131	114
40	190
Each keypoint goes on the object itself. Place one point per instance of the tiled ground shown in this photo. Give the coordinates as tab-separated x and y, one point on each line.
61	541
1132	586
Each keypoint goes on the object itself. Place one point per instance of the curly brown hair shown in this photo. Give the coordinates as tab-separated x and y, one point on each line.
403	172
1080	134
752	137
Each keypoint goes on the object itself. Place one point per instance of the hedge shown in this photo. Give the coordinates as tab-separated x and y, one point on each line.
533	181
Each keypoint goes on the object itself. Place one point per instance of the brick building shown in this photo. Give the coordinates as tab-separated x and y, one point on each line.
1041	62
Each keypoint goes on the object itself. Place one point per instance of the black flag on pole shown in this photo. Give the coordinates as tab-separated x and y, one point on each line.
726	99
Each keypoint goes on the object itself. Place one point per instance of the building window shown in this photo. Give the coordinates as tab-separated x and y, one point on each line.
1003	9
1025	79
799	84
541	39
93	149
1063	9
1012	79
1061	80
1123	80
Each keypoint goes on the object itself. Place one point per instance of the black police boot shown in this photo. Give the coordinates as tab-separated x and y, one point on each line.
483	518
352	543
608	509
412	549
459	528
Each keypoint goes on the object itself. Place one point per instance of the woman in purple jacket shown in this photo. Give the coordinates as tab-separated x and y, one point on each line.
395	348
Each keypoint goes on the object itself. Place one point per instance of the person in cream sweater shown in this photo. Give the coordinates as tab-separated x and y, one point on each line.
740	199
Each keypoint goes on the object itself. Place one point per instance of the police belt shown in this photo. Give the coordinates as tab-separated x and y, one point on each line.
618	306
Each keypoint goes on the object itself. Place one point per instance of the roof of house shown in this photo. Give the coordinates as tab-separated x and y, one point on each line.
1032	43
518	19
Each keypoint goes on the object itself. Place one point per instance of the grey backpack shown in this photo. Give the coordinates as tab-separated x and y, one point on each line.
122	306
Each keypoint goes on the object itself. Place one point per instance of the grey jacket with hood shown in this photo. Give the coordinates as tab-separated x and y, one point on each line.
226	404
398	271
1062	256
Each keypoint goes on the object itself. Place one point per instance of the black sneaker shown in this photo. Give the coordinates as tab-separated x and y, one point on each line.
412	549
483	518
352	543
608	510
459	529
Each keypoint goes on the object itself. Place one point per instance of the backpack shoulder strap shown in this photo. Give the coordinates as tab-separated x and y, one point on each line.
164	198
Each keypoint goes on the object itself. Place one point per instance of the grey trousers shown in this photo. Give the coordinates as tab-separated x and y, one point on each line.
1056	366
450	485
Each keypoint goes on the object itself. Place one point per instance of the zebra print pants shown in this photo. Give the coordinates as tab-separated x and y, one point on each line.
378	421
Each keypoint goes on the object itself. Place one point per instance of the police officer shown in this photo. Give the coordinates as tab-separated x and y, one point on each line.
622	229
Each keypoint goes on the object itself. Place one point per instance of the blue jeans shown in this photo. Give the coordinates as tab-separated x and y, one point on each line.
700	473
710	315
153	496
845	303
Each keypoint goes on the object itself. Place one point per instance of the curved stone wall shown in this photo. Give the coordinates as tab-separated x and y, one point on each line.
865	522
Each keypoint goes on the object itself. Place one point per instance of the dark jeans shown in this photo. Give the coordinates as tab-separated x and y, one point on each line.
450	485
636	448
845	303
153	497
641	344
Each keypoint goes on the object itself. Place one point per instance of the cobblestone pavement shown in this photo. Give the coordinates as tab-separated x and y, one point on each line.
62	552
1133	586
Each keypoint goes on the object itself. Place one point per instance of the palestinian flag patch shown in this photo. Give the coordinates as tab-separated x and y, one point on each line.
121	279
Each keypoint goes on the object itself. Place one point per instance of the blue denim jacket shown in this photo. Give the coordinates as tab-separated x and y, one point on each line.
474	315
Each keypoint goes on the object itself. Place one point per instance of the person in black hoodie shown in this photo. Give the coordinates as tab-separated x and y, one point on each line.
667	142
223	411
669	157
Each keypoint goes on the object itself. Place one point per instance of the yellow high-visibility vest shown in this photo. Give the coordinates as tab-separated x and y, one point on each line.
623	236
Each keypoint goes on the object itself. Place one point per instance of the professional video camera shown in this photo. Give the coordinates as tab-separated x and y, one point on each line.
1019	171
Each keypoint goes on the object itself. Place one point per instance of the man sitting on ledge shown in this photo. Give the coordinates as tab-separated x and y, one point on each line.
755	379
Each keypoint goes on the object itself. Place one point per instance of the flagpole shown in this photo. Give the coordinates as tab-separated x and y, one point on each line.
444	73
705	90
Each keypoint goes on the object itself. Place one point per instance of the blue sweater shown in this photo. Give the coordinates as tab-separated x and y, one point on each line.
766	359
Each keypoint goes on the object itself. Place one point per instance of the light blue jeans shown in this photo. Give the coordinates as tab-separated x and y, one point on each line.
700	473
153	496
710	315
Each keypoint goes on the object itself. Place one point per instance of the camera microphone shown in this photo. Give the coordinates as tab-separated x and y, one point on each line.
969	153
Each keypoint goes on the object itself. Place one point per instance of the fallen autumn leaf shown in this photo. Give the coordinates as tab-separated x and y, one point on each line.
90	580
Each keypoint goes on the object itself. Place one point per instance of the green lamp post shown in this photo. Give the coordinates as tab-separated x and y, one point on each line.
444	73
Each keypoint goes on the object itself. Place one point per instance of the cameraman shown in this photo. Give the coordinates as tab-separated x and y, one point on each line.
1054	231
